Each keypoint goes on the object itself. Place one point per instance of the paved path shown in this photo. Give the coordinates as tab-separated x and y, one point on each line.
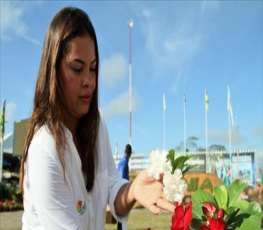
10	220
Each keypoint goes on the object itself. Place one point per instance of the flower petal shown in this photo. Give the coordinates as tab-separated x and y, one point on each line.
217	224
208	209
188	216
220	213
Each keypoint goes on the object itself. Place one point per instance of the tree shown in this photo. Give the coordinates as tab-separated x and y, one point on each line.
216	147
191	143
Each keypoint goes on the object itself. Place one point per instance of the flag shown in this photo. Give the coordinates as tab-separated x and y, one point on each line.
229	106
2	121
164	103
206	101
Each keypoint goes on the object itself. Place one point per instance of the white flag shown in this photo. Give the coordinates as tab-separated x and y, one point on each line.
229	106
164	103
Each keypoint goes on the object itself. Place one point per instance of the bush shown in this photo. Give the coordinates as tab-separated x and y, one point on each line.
5	193
10	197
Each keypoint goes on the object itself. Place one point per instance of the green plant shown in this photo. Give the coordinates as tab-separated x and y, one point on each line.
207	185
226	206
193	184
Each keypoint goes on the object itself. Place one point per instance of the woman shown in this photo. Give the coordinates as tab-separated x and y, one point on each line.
68	175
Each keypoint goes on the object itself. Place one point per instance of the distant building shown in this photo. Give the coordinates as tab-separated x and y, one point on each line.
19	136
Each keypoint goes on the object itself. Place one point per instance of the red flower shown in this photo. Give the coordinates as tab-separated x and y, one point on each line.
217	224
215	218
182	217
209	210
204	227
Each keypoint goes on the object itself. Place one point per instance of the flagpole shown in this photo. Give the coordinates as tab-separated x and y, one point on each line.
1	158
229	107
206	136
184	124
2	138
164	108
130	25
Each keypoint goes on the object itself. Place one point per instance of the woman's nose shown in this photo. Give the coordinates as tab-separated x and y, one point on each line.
87	78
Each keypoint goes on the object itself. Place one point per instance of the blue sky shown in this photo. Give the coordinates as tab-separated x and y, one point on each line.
177	47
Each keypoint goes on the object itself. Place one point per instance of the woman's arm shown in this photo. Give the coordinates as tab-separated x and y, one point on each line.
144	189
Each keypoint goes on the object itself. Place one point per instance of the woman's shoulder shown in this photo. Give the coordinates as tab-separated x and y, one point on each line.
42	135
43	139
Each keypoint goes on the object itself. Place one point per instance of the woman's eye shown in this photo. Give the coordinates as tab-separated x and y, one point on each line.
93	69
76	69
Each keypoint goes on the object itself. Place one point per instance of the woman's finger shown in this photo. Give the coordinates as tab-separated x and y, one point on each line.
154	209
163	204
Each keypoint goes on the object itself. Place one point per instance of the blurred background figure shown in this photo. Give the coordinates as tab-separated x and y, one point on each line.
123	168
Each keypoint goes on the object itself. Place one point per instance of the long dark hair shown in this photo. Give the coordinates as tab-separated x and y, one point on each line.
68	23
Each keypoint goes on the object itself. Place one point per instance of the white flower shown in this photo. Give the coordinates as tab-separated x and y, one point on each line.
174	185
158	164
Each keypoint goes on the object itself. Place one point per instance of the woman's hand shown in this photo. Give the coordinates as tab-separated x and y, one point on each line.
149	193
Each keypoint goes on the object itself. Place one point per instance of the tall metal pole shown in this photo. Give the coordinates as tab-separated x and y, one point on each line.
164	109
130	25
230	115
206	142
2	140
184	124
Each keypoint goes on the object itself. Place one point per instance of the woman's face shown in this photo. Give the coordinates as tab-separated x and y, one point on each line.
78	73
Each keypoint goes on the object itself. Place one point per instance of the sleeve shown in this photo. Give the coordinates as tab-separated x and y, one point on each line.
115	181
49	191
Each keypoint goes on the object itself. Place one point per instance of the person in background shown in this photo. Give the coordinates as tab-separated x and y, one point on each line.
68	175
123	168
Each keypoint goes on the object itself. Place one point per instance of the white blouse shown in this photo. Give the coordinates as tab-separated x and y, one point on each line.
52	202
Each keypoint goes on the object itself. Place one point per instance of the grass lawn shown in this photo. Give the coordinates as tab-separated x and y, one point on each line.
140	219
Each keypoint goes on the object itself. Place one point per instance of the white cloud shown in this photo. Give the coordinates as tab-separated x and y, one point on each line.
12	23
173	42
222	137
120	104
113	70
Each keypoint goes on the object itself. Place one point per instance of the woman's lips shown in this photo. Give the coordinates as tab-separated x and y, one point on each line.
85	99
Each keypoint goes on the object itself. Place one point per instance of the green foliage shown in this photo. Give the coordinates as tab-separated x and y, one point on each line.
178	162
239	214
10	197
207	184
216	147
5	193
221	196
236	188
192	186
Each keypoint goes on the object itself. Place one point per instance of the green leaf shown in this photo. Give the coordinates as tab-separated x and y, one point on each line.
221	196
236	188
231	215
193	184
201	196
253	223
207	184
179	162
197	211
254	208
236	222
170	156
187	168
242	205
